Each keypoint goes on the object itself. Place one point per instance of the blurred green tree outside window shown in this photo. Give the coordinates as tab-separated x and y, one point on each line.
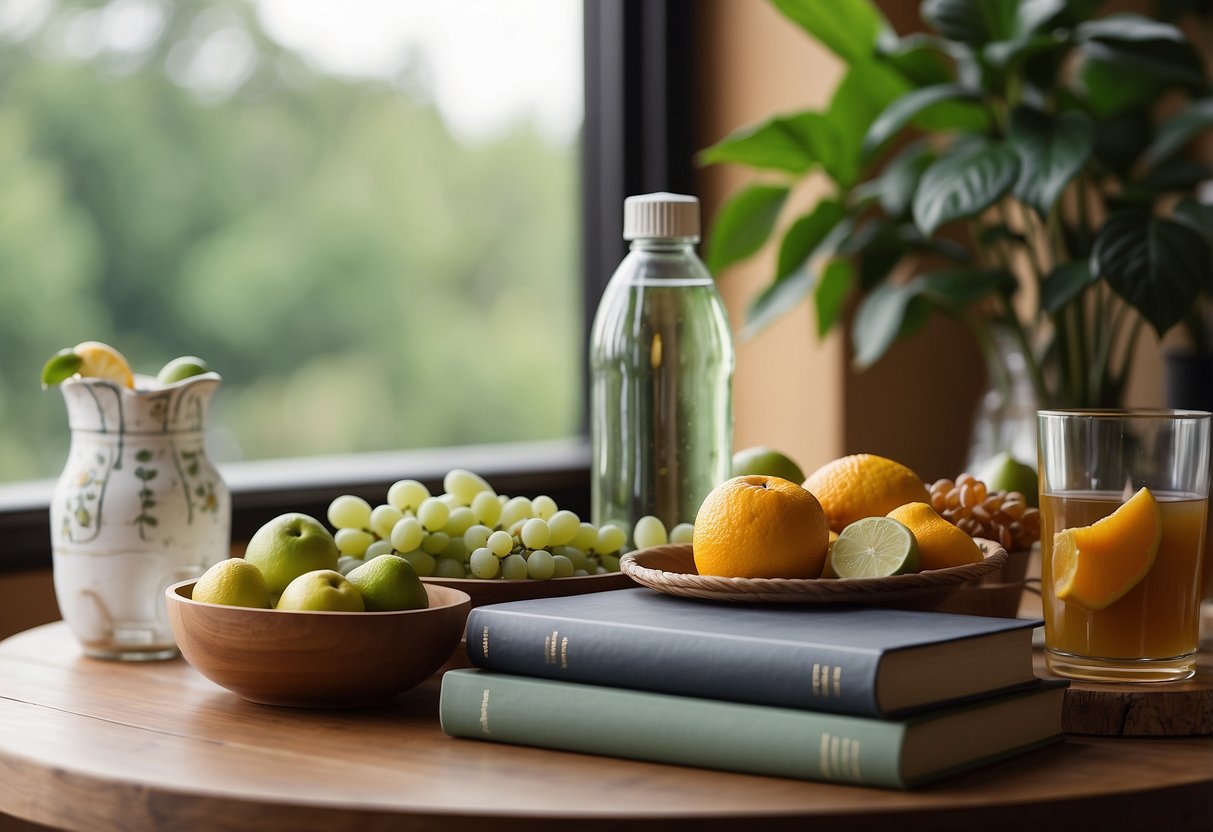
364	215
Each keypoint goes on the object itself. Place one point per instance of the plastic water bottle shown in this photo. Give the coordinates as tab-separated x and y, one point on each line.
661	363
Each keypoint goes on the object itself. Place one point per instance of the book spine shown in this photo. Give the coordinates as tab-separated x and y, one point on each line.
670	729
617	654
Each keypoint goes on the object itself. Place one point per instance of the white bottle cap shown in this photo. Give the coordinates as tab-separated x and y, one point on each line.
660	215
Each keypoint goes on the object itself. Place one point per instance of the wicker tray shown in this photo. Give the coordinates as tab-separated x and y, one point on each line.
671	569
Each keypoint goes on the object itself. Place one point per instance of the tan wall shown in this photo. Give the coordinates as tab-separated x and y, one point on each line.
792	391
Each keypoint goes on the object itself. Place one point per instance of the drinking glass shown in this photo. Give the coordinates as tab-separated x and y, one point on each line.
1091	462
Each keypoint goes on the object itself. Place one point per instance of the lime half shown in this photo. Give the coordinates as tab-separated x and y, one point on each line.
874	547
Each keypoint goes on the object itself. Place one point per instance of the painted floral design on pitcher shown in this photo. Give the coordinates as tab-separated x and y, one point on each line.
139	506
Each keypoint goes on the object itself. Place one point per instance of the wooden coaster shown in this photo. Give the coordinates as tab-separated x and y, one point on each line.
1144	709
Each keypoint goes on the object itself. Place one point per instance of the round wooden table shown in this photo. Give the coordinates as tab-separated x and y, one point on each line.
93	745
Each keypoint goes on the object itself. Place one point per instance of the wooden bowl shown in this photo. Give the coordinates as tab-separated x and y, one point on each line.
317	659
498	591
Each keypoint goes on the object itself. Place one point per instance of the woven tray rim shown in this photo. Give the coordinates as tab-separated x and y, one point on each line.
676	578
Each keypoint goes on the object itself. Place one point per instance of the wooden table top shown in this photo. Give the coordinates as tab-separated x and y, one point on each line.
93	745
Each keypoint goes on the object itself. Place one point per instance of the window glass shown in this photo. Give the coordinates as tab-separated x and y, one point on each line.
363	214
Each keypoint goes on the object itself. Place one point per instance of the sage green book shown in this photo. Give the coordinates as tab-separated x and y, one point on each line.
756	739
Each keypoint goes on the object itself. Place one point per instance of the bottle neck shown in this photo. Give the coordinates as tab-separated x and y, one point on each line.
668	245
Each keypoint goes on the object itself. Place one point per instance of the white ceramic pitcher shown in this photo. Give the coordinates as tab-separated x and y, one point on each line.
139	506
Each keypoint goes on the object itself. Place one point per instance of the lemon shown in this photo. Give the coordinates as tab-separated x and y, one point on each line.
98	360
874	547
940	544
235	583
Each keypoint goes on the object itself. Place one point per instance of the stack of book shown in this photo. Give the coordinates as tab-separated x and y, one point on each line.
872	696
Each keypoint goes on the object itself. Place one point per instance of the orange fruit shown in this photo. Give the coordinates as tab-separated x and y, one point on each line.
98	360
863	485
760	527
1094	566
940	544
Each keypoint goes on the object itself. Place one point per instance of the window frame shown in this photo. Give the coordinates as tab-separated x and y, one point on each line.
637	138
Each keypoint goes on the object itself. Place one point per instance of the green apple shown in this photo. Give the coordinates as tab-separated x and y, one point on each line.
234	582
180	368
767	462
321	589
289	545
389	582
1005	473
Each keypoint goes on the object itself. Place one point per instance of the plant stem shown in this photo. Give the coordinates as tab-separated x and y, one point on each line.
1021	337
1126	359
1098	379
995	363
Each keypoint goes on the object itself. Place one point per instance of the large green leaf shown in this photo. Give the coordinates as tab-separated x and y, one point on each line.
1171	175
830	295
1145	46
1196	215
879	256
1038	15
957	288
776	300
904	109
1120	141
820	233
864	92
791	143
1157	265
1199	217
901	176
1052	151
1180	129
878	245
975	22
1130	28
848	28
922	59
744	223
1112	89
894	310
963	184
1065	283
804	236
1005	54
887	313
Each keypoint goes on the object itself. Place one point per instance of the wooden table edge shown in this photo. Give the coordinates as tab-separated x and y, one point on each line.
45	793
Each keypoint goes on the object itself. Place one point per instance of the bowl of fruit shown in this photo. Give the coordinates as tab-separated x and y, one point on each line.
281	626
862	529
494	547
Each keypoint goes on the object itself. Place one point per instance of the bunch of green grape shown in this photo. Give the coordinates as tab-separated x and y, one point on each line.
471	531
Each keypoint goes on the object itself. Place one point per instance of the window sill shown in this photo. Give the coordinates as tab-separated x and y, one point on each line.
264	489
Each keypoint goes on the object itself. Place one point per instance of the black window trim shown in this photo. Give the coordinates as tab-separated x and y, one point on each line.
637	139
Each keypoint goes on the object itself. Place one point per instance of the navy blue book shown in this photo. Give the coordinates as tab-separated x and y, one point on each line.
861	661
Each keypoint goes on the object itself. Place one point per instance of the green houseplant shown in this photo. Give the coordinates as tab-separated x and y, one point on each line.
1022	165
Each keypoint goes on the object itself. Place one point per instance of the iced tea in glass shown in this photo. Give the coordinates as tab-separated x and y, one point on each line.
1091	463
